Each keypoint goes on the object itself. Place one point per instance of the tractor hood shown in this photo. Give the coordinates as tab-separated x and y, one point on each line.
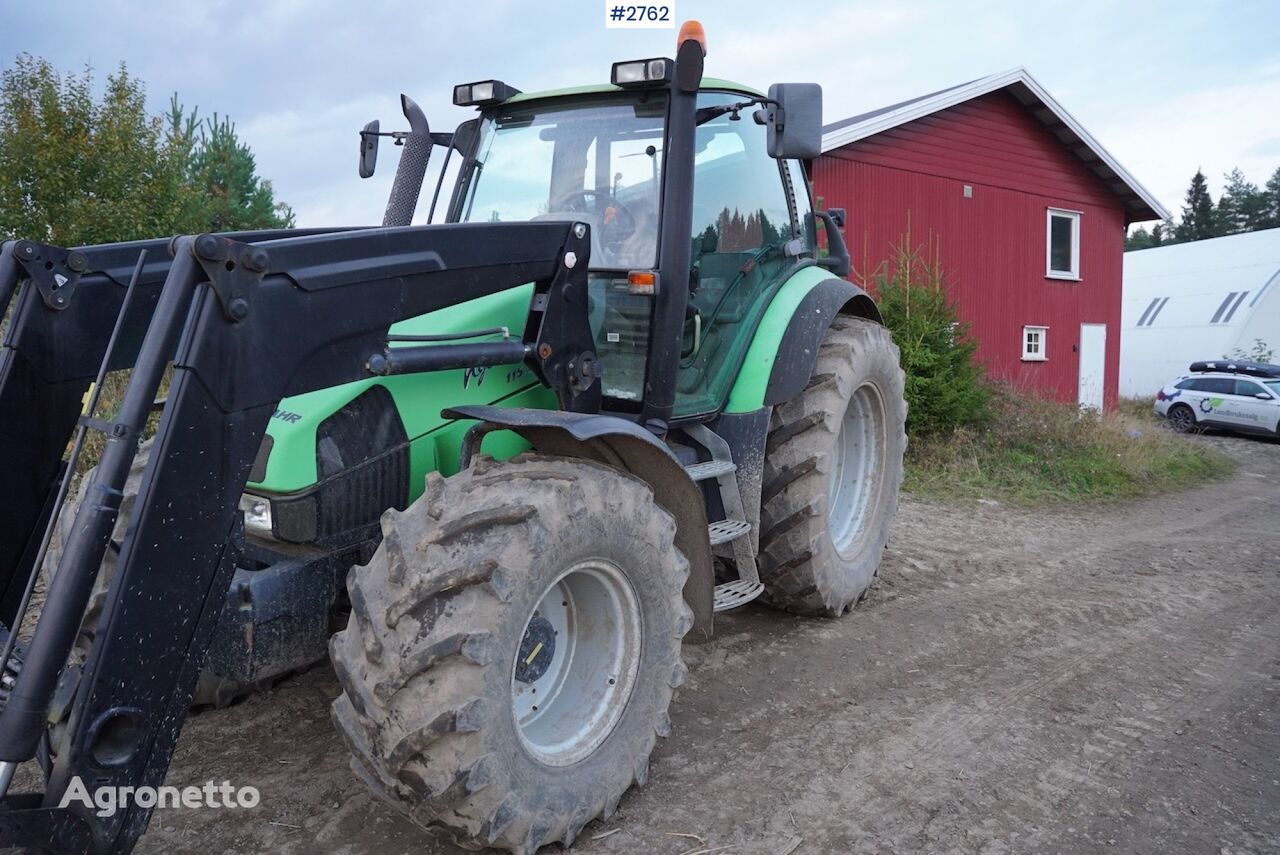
290	447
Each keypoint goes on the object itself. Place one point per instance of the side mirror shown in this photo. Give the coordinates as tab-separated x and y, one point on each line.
369	148
1262	396
838	216
794	120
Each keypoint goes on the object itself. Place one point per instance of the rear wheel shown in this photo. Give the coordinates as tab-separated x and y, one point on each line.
512	650
1182	418
833	466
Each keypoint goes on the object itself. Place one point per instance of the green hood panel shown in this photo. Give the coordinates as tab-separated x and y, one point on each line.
418	397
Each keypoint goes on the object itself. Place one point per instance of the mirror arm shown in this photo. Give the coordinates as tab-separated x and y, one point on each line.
838	260
706	114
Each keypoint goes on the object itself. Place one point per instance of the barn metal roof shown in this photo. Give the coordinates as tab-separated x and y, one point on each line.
1139	201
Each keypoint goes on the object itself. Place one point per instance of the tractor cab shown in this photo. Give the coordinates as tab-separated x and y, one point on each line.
598	156
681	267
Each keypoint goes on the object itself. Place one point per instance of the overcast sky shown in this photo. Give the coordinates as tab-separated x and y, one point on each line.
1166	87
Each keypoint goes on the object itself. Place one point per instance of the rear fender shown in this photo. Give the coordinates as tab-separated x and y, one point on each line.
782	354
629	448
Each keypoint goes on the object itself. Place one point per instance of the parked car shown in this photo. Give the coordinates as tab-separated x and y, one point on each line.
1238	396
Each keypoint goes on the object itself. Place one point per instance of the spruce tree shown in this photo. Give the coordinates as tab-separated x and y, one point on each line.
1199	220
1271	201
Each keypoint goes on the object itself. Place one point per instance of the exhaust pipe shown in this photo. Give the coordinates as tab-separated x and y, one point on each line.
412	168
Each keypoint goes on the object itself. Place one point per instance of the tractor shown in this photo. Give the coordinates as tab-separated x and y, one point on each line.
515	458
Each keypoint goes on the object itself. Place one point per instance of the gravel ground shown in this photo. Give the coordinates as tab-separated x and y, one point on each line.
1076	680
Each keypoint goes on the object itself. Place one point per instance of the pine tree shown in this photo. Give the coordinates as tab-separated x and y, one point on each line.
236	198
1140	239
1199	220
1162	233
1271	205
1243	207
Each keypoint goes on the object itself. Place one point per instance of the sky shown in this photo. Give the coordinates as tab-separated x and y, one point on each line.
1166	87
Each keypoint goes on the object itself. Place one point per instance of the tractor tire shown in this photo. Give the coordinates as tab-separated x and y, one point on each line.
536	581
832	470
211	690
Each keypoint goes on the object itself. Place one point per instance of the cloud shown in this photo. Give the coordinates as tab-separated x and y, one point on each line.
1214	129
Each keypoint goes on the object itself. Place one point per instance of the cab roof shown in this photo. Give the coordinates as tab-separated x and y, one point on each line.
714	83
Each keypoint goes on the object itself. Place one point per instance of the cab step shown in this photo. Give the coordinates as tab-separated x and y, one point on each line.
739	592
710	469
723	531
735	528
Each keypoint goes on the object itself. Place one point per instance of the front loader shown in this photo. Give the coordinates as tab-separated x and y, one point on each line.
520	455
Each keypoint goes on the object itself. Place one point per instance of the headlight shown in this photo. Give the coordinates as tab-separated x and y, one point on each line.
257	514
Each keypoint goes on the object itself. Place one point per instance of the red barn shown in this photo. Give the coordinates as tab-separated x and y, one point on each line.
1023	208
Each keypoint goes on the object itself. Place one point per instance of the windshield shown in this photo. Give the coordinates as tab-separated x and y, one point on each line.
596	160
1273	385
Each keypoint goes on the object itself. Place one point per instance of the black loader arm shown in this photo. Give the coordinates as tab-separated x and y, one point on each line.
246	321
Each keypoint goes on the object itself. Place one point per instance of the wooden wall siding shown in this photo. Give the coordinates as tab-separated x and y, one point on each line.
992	245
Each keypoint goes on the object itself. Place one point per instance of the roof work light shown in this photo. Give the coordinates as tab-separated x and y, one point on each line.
642	72
482	93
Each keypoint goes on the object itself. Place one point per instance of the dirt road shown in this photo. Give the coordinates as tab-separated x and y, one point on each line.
1079	680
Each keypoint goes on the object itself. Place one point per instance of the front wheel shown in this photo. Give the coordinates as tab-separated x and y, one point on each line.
512	650
832	469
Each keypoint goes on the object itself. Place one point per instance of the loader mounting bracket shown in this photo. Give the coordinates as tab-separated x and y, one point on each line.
53	270
234	269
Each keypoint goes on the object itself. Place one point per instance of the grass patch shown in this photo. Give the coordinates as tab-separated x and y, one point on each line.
1140	410
1033	452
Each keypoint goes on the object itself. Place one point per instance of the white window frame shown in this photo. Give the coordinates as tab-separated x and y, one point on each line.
1042	355
1073	274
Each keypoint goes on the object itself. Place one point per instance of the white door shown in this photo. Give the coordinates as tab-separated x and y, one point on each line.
1093	364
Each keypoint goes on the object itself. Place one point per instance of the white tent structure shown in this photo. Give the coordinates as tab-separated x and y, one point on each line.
1202	300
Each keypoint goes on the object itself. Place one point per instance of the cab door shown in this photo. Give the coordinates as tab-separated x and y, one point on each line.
748	211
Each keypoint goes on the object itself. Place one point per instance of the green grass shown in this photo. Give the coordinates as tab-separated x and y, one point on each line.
1035	452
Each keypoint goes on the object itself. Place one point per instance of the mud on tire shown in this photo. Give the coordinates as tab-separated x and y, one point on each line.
820	547
428	661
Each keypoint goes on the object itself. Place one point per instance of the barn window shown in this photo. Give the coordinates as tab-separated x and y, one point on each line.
1034	340
1062	244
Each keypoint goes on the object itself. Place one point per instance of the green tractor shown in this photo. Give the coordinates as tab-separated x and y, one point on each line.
619	390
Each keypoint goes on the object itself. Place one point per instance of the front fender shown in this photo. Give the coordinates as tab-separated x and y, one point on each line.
627	447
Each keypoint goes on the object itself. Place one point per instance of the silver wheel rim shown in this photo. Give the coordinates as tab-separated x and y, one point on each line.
586	629
855	472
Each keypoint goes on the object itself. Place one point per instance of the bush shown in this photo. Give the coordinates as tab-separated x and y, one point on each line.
944	387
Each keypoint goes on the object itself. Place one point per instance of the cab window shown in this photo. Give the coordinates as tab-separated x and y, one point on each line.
746	235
